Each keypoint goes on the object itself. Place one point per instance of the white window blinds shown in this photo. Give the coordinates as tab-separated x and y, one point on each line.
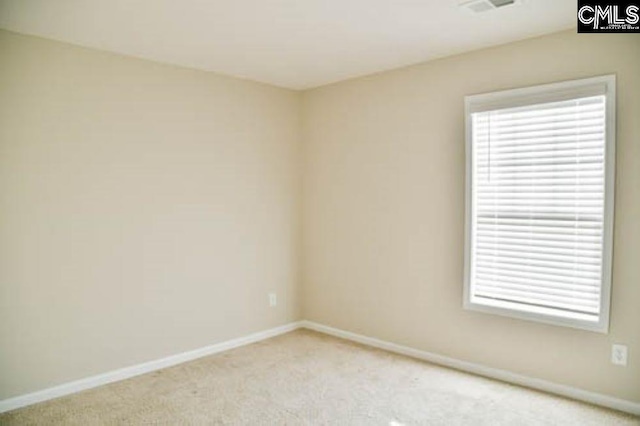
538	205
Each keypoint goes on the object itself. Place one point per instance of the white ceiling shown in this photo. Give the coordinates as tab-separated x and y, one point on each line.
291	43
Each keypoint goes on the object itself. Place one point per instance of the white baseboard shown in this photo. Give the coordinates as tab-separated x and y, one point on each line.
136	370
493	373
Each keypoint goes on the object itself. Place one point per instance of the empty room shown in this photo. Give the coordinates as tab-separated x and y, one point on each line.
320	212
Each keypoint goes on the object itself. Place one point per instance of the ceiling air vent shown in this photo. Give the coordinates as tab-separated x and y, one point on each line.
485	5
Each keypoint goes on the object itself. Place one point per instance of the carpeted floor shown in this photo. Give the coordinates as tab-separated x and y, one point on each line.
307	378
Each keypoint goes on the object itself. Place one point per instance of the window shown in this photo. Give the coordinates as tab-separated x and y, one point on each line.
539	218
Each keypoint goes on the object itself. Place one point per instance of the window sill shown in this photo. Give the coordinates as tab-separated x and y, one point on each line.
537	314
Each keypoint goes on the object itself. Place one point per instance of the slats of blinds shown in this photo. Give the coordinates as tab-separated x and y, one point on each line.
538	200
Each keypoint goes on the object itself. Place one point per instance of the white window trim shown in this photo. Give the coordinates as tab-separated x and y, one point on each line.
532	95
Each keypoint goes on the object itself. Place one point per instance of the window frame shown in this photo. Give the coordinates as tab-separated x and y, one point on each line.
529	96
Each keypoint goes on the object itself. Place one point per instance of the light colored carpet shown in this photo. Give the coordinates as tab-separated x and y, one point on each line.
307	378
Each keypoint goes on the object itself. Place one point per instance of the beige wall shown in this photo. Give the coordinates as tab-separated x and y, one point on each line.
145	210
383	204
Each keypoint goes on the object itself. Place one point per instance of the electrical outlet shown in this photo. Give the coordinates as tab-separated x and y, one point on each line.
273	299
619	355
